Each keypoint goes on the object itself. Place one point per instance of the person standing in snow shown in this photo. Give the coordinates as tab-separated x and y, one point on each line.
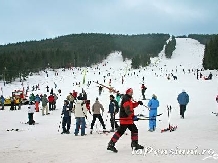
113	110
100	88
31	110
118	97
183	100
66	118
153	104
80	112
127	119
37	101
55	100
96	107
51	101
74	94
47	88
143	88
44	105
70	98
2	99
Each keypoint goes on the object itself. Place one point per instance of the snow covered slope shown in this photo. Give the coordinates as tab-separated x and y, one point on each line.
43	144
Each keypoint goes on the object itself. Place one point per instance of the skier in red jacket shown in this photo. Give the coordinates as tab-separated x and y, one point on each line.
51	101
127	119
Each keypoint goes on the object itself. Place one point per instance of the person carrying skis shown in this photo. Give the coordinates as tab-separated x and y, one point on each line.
143	88
153	104
80	112
96	107
66	118
183	100
113	110
127	119
31	110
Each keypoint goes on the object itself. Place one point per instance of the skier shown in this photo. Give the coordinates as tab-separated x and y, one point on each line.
127	119
113	110
37	101
80	112
51	101
47	88
66	118
55	100
118	97
97	114
32	97
44	105
100	90
31	110
13	103
183	100
55	85
70	98
84	95
74	94
2	100
33	88
143	88
52	92
153	104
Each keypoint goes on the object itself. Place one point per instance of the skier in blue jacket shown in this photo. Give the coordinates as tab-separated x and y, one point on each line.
153	104
183	100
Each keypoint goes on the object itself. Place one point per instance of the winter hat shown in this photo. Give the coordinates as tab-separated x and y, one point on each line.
112	96
66	102
154	96
96	98
129	90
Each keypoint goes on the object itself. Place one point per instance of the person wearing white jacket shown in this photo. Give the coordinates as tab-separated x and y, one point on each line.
80	112
31	110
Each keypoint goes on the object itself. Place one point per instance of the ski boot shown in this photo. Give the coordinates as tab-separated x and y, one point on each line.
136	146
111	147
91	131
67	132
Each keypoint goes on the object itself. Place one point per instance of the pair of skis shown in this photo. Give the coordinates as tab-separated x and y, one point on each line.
169	128
215	113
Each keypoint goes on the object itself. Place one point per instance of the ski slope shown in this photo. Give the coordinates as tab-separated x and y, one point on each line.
43	144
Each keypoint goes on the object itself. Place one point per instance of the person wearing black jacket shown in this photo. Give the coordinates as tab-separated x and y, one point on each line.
113	110
67	109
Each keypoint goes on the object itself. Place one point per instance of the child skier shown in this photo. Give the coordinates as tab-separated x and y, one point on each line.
31	110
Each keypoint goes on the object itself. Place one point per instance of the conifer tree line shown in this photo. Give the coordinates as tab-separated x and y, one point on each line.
170	47
210	60
76	50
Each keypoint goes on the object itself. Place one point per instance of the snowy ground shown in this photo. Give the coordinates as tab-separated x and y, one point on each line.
43	144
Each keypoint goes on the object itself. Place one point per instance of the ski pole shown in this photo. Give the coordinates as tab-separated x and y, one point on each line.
60	124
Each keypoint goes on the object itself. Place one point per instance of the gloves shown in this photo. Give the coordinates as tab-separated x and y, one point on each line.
140	102
135	118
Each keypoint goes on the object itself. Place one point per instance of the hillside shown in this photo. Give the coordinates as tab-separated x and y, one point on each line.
76	50
197	132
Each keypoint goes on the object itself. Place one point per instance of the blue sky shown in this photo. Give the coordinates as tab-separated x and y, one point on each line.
23	20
